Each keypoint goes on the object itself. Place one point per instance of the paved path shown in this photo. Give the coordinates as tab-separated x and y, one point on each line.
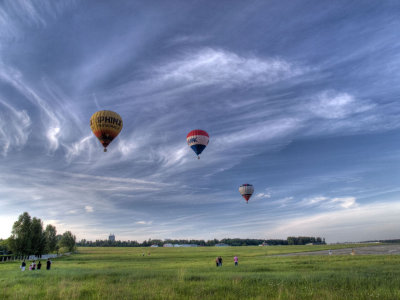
369	250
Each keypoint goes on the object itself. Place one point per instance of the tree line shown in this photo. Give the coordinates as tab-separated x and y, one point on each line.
29	238
227	241
304	240
391	241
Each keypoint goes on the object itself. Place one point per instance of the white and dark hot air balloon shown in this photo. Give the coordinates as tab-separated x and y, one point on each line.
246	190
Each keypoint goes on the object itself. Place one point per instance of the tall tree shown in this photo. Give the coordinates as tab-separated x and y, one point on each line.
68	240
51	238
38	237
20	240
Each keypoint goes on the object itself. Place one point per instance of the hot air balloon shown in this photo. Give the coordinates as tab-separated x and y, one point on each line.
106	125
197	140
246	190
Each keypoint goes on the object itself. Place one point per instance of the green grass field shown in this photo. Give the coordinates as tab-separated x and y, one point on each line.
190	273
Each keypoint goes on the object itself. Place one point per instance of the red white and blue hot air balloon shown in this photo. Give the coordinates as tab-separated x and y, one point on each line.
246	190
197	140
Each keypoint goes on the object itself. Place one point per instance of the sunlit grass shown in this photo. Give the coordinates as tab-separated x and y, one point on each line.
190	273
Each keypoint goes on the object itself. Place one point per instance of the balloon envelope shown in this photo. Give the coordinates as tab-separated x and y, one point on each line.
246	190
106	125
197	140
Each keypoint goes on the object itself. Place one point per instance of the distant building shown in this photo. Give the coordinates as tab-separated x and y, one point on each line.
111	237
221	245
168	245
154	246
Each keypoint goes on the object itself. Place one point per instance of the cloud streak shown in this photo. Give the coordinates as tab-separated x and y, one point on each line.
226	69
14	127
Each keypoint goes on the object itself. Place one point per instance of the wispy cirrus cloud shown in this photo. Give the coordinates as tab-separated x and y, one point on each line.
263	195
226	69
337	105
307	116
51	124
344	202
79	148
14	127
15	15
186	39
144	222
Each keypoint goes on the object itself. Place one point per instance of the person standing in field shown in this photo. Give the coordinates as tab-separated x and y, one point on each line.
48	264
39	265
23	265
220	261
217	261
236	260
33	266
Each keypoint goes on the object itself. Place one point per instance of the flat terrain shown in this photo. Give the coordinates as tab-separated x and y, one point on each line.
190	273
367	250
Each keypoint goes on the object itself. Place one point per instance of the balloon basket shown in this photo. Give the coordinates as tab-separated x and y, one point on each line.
198	157
105	149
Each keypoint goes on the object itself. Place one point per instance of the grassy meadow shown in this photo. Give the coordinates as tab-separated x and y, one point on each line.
190	273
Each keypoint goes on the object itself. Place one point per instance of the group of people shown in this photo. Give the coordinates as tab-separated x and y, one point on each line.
33	266
218	261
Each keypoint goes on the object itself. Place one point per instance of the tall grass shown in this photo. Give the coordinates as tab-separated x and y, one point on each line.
190	273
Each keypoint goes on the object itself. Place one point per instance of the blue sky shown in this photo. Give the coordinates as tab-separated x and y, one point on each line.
300	99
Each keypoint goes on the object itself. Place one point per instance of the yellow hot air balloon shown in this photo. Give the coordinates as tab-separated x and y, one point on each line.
106	125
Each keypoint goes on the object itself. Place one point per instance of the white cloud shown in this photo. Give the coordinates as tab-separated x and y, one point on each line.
84	145
7	222
144	222
14	127
54	222
344	202
337	105
53	134
15	79
263	195
210	66
126	147
89	208
174	156
16	15
317	200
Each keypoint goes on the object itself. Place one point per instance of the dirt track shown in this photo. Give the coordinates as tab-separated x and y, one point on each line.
370	250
